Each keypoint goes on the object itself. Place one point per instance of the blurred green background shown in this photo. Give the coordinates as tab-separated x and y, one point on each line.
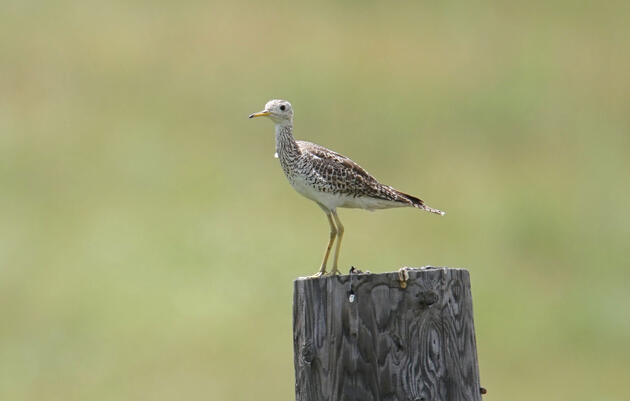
148	238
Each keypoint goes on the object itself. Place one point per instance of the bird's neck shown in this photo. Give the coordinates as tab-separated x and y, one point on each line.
285	143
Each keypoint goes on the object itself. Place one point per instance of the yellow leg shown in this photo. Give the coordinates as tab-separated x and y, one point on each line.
333	234
340	236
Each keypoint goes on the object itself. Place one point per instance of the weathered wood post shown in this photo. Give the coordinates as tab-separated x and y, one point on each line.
385	337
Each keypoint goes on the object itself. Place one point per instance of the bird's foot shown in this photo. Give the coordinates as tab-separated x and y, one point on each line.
319	274
334	271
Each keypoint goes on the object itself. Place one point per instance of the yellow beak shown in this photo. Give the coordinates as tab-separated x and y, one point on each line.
260	114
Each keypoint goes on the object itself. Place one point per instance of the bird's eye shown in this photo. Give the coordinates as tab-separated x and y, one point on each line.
283	107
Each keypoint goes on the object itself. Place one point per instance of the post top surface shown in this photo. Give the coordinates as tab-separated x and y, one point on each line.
400	272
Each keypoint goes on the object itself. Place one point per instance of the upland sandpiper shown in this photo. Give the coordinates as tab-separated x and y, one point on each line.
329	179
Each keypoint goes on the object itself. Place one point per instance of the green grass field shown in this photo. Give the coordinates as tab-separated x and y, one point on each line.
148	238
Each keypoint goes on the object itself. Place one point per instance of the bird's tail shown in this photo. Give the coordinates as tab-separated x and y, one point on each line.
419	203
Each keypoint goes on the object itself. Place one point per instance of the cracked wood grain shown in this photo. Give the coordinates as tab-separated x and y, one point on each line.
364	338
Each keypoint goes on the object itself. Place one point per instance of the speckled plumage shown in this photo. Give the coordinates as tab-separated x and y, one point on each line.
328	178
334	180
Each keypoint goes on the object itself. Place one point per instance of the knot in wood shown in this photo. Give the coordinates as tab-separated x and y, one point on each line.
427	297
306	353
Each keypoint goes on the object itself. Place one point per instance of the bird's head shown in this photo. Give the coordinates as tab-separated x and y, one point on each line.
279	111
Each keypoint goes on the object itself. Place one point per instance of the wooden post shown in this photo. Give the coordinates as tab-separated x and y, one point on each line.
363	337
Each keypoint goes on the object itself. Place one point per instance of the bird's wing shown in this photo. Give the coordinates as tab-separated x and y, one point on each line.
352	179
348	176
326	158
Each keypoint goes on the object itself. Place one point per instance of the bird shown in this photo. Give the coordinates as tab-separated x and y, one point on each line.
330	179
